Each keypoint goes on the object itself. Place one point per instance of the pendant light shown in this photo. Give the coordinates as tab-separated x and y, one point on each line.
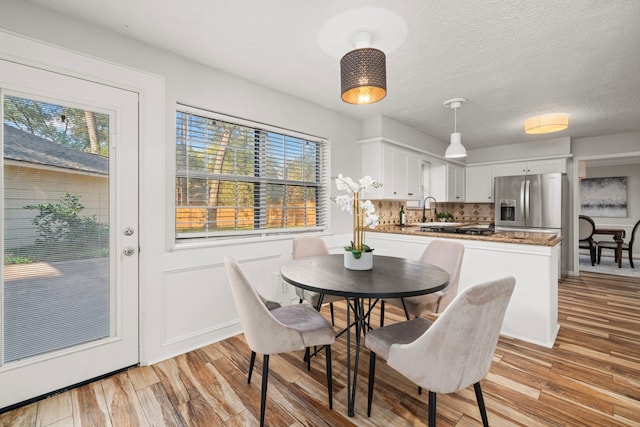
455	148
363	73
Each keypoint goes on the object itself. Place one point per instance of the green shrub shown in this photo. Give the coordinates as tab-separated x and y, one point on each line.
62	222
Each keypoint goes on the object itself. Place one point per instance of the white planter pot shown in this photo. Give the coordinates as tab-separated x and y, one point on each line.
365	262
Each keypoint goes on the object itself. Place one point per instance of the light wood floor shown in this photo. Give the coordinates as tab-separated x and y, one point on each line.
591	377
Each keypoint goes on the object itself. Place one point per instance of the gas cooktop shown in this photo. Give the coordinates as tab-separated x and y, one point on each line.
469	230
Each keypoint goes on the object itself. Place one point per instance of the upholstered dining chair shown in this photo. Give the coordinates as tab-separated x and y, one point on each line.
626	246
313	246
280	330
586	227
452	352
447	255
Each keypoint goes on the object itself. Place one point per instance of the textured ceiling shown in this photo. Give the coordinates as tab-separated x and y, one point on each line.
510	59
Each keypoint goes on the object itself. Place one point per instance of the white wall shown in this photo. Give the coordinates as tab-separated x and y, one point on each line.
612	146
544	148
185	301
380	126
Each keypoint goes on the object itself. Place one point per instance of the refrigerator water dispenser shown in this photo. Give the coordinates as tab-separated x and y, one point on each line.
507	210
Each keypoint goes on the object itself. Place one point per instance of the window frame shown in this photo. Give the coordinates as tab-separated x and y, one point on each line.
264	134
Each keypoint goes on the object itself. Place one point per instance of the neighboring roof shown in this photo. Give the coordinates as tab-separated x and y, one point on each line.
27	147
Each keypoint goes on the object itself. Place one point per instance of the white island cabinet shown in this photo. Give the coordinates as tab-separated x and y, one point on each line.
532	314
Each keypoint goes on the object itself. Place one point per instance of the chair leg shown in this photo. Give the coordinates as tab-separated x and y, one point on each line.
372	375
333	320
252	362
592	253
631	257
483	411
381	313
329	376
307	357
432	409
599	253
263	395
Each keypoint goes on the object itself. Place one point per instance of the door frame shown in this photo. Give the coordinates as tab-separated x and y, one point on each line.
623	156
151	136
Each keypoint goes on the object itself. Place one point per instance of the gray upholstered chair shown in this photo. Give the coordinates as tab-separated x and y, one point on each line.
280	330
450	353
313	246
586	227
447	255
626	246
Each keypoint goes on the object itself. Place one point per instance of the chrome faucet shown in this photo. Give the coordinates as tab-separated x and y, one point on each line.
424	208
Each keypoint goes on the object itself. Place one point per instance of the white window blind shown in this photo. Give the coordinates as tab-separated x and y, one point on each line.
237	178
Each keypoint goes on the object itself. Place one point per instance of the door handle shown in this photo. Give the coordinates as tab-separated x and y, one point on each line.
527	201
128	251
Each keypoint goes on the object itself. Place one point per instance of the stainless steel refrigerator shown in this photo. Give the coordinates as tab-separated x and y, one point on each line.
533	203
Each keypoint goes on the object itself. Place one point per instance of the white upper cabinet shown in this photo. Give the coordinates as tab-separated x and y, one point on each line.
399	171
479	184
447	182
530	167
455	183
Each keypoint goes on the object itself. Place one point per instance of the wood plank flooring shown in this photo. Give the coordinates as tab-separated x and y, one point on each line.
591	377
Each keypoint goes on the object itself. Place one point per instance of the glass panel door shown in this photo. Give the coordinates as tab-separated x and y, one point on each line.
69	277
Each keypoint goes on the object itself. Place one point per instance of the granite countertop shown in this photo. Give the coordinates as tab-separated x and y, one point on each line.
520	237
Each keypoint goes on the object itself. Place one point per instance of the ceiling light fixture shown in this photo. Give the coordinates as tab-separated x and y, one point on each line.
546	123
363	72
455	148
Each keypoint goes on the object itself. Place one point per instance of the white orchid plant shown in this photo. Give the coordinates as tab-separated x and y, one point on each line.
363	210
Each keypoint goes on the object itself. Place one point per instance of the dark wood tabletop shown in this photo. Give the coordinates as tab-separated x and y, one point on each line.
390	277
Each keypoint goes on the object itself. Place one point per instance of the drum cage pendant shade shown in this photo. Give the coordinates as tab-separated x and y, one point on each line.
363	76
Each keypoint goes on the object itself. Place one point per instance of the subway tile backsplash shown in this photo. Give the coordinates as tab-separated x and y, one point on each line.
389	211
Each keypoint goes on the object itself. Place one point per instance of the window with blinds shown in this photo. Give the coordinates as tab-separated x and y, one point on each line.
237	178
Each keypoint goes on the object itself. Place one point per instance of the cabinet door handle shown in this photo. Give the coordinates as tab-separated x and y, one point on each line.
410	194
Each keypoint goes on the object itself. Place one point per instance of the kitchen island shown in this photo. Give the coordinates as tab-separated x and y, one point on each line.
532	258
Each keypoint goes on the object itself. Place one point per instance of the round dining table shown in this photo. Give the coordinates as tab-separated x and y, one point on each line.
390	277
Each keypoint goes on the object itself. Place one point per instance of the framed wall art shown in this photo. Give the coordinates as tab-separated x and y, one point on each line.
604	197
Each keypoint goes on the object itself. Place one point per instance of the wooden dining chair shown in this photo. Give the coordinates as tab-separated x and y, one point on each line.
280	330
450	353
626	246
586	228
442	253
313	246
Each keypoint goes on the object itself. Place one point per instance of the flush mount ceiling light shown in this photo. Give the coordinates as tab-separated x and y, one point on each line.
546	123
455	148
363	72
